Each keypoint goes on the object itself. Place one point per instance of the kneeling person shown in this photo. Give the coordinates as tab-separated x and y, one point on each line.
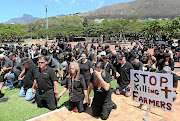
100	82
28	80
77	88
47	81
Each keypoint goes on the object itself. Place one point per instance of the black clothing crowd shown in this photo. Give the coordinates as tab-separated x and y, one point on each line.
59	56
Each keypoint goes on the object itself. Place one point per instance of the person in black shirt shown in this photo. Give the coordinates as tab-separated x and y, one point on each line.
55	65
159	55
167	61
137	65
77	88
108	66
28	80
17	69
100	82
91	56
77	53
47	83
99	48
6	71
85	68
123	77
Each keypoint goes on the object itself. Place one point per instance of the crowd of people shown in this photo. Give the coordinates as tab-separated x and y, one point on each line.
37	70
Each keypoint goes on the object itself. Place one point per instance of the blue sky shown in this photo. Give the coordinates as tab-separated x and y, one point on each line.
16	8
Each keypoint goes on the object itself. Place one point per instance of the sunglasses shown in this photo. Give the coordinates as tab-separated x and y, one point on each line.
41	62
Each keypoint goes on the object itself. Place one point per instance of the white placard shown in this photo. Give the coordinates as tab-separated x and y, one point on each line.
153	89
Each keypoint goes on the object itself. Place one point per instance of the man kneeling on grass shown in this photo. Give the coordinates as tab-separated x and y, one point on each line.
100	82
47	82
29	75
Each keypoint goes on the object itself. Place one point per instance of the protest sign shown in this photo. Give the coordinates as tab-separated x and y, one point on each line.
153	89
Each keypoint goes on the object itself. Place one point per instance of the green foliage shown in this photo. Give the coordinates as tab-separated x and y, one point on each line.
12	32
74	26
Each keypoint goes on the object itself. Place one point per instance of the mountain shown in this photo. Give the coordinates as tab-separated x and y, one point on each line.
25	19
139	8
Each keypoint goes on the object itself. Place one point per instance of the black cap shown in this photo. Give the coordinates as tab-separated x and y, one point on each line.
24	60
121	56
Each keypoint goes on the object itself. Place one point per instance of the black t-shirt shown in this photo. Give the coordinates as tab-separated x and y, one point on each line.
85	69
91	57
68	56
161	64
45	78
124	78
18	67
77	55
139	66
109	67
54	64
100	95
159	57
78	87
29	76
7	63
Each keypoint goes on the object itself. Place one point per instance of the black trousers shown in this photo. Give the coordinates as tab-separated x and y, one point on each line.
78	104
101	110
47	99
87	81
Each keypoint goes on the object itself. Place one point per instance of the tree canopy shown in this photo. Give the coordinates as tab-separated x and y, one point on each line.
74	26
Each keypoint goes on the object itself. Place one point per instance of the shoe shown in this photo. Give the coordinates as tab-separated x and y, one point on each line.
1	95
75	110
85	105
114	106
11	88
3	100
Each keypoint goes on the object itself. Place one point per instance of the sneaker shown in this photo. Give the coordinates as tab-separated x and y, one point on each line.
10	88
114	106
1	95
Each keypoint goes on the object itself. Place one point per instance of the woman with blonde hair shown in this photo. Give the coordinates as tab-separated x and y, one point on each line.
77	88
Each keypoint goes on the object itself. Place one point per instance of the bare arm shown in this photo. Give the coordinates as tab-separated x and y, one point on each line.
5	69
89	89
59	72
22	73
34	85
56	86
91	70
105	85
64	90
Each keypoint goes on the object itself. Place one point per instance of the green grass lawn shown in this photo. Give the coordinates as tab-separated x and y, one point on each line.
17	109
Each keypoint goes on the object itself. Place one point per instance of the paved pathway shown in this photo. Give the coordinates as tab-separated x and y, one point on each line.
126	111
